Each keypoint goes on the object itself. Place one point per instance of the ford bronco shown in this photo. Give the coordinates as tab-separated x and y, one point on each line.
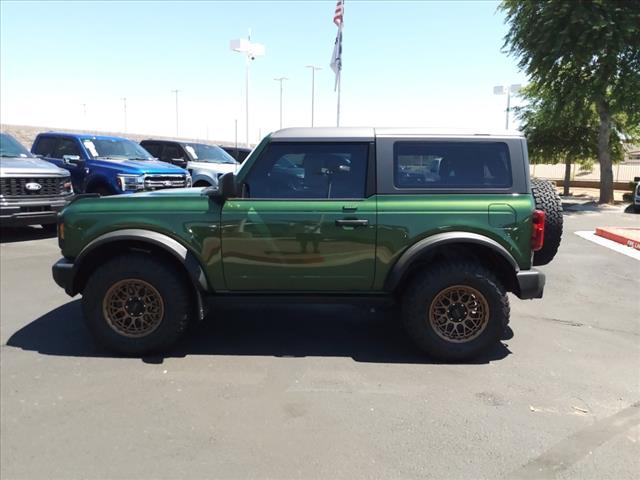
444	224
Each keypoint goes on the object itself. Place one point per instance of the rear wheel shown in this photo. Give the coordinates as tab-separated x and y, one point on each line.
547	199
455	311
136	305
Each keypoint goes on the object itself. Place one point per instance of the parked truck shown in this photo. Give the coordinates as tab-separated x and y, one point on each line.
107	165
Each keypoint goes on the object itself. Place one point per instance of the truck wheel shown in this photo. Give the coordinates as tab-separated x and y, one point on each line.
136	305
102	191
455	311
548	200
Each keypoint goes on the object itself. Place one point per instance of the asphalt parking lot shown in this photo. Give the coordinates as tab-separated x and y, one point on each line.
325	391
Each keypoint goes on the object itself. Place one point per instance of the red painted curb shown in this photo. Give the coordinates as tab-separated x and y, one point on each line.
621	235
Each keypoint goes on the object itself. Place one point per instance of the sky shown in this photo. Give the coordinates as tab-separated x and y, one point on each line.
405	63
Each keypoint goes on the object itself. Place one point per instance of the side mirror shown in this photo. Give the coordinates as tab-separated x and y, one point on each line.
71	159
226	188
227	185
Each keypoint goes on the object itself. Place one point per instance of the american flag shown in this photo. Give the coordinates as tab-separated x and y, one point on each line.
336	58
339	13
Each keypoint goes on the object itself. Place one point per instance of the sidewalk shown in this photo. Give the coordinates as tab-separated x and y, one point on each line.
586	199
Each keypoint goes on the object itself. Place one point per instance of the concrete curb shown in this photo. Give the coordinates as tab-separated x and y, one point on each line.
625	236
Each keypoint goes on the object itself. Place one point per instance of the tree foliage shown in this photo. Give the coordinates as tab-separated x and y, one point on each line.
583	59
557	132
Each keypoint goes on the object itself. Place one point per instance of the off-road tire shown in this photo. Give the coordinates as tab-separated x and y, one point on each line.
174	293
547	199
425	287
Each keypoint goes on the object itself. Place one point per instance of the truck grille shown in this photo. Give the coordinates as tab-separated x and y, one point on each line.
17	187
157	182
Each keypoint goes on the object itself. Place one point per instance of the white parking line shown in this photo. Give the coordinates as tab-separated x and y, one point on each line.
592	237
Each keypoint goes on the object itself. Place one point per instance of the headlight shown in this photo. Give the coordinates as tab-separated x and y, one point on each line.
188	180
67	187
131	183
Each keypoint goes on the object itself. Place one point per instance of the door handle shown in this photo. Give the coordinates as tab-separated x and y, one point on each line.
352	222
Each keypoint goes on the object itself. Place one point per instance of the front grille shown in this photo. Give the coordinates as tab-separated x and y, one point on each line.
157	182
17	187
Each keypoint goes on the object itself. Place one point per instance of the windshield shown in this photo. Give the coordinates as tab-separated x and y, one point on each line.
10	147
208	153
115	148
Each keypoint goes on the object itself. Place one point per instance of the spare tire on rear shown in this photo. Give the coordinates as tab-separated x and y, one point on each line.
547	199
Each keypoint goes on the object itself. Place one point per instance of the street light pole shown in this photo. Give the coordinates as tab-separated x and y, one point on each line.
124	106
313	88
506	126
507	90
251	50
281	79
176	92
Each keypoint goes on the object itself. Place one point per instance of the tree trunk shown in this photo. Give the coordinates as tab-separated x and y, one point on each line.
567	176
604	154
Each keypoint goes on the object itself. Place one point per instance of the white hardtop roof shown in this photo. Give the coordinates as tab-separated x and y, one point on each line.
369	133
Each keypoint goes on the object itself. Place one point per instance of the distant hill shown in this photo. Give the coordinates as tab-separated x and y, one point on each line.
26	135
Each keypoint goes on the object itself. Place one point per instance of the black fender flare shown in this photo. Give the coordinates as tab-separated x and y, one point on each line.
175	248
424	246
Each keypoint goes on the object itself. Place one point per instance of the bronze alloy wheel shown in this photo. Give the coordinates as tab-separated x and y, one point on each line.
133	308
459	313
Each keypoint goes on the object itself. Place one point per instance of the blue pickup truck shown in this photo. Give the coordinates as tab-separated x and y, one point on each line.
107	165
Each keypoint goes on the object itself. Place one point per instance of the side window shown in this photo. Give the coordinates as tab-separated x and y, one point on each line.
153	148
45	146
66	146
309	170
172	151
451	164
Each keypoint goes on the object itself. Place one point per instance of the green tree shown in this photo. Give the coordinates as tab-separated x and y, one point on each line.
582	53
558	131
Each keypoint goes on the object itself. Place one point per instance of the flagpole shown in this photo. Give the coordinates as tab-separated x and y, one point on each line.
339	83
336	59
339	75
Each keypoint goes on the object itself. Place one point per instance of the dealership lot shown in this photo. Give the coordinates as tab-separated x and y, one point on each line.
327	391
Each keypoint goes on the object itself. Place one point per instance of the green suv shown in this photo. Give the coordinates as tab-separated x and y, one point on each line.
444	225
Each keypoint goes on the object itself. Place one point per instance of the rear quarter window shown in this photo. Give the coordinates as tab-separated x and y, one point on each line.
451	165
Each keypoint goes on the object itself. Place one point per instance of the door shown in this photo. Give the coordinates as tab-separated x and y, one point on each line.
70	146
304	222
174	154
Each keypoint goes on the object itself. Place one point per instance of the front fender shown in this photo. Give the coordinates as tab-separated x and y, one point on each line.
99	178
157	239
209	177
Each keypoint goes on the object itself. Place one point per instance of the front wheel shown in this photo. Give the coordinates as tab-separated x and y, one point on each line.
50	227
455	311
201	183
136	305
